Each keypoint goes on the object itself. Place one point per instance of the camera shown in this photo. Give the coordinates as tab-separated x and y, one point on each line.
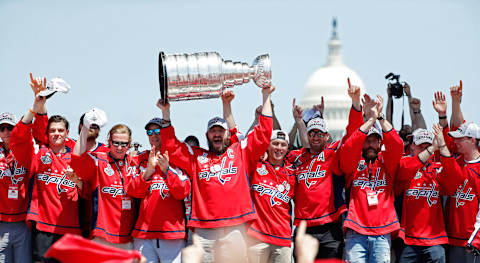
395	85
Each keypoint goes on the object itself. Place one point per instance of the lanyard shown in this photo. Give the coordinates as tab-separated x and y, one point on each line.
118	168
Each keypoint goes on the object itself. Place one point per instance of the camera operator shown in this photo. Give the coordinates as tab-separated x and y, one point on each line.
415	111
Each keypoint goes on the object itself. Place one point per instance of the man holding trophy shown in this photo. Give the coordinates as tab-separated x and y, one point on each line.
221	201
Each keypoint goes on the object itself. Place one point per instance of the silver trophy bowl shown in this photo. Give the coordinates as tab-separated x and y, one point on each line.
205	75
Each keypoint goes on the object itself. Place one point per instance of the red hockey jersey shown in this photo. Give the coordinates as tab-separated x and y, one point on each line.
13	188
105	178
54	197
162	199
375	216
220	189
272	189
422	222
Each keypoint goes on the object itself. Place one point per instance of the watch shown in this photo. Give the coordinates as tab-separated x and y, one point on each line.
381	116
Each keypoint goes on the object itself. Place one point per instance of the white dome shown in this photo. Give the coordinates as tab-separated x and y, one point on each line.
331	82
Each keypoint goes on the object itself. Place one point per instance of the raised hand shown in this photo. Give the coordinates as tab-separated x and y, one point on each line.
368	105
296	111
407	90
228	96
439	139
37	84
319	107
353	91
379	105
439	103
152	163
268	90
456	92
165	108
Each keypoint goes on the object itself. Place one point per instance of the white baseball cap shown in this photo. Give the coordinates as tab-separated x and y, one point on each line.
8	118
54	85
317	123
280	135
421	136
217	121
466	130
374	130
95	116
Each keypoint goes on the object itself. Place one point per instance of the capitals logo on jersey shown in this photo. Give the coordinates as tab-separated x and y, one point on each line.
310	176
16	171
461	194
161	187
277	193
59	180
219	171
377	182
428	192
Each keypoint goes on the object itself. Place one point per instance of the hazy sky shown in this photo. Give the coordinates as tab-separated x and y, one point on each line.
107	51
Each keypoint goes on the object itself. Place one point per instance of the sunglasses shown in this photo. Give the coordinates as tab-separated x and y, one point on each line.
6	127
317	134
150	132
117	144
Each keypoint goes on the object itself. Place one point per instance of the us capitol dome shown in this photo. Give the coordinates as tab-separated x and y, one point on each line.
330	81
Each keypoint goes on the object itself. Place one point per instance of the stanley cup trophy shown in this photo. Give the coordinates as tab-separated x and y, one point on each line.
205	75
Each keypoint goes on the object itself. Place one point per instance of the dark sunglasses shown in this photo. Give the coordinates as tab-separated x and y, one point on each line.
6	127
150	132
313	134
117	144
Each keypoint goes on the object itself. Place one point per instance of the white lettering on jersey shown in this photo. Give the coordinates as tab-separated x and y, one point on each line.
273	192
223	171
372	184
461	195
428	192
162	187
59	181
309	176
16	171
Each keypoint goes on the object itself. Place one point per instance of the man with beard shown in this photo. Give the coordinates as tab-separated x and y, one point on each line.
93	132
369	174
221	202
318	193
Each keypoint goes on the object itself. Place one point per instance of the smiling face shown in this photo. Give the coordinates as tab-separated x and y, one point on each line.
154	139
119	145
317	140
465	144
217	139
276	151
5	132
57	133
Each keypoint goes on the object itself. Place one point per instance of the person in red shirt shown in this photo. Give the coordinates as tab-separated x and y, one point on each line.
318	194
221	202
104	176
161	188
423	181
369	174
14	233
53	204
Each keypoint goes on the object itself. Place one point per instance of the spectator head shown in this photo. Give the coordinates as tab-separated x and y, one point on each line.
421	139
7	122
93	132
217	135
278	147
192	141
119	139
466	138
318	135
152	129
57	130
404	133
372	144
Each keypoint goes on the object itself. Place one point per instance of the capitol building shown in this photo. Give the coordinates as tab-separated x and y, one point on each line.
330	81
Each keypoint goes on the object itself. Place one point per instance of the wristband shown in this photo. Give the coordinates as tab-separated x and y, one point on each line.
442	117
30	110
417	112
429	151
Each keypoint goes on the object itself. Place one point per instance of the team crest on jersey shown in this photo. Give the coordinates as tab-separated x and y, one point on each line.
219	171
262	170
377	182
461	196
418	175
361	166
203	159
46	159
277	193
108	170
50	178
16	171
428	192
310	176
161	187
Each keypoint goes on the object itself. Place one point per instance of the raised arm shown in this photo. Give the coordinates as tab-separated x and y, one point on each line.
457	116
392	141
227	98
355	118
416	114
302	129
389	103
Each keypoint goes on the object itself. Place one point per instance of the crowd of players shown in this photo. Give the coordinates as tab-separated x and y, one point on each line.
372	192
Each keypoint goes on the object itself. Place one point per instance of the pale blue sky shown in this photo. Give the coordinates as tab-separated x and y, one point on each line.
107	51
